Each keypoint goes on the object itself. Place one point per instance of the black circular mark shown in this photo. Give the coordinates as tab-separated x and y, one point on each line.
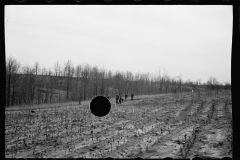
100	106
108	158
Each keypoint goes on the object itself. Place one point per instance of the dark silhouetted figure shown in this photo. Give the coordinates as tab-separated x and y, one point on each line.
132	95
117	99
120	100
126	96
174	91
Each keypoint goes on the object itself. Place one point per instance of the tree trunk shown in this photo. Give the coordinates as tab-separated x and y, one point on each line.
8	90
67	90
51	97
38	96
13	95
84	93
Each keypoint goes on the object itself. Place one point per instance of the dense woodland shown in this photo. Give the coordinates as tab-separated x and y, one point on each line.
27	85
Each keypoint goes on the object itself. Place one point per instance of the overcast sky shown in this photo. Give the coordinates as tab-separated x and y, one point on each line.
192	41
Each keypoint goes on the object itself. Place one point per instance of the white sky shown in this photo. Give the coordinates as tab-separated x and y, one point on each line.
192	41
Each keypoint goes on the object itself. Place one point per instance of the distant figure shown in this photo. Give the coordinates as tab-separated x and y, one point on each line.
120	100
192	91
126	96
117	99
174	91
32	111
132	95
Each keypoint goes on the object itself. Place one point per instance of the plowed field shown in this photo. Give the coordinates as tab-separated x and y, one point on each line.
179	125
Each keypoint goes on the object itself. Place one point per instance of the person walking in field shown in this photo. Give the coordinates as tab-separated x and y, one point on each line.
120	99
132	95
117	99
174	91
126	97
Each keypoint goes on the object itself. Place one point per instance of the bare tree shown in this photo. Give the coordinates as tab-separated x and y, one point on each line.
136	85
216	85
109	83
44	71
227	88
12	69
36	68
28	85
119	82
210	84
85	77
167	83
95	78
180	83
173	85
144	83
78	90
68	73
154	84
161	81
57	69
128	81
198	81
52	85
102	76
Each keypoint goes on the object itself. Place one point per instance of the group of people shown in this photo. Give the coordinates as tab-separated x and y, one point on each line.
119	98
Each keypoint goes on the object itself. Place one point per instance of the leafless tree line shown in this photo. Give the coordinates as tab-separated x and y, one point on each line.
35	85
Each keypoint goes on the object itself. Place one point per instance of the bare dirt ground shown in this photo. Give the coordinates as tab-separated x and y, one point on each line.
183	125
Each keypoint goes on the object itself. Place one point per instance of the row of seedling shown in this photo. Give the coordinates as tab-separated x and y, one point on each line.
198	110
189	142
45	128
52	129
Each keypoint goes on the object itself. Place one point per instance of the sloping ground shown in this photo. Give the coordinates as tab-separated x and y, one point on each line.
155	126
